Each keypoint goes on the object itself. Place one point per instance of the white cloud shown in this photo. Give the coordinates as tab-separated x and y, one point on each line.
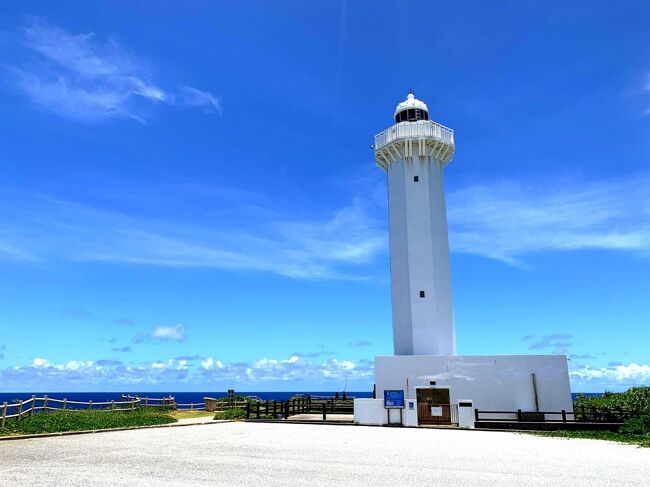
191	97
177	333
211	363
79	77
43	374
40	362
508	221
615	377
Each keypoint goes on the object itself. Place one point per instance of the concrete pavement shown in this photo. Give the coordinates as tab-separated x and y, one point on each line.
261	454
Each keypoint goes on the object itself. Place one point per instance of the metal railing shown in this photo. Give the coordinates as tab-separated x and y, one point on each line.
419	129
579	415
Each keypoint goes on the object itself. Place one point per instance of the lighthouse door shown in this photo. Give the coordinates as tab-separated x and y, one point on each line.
433	406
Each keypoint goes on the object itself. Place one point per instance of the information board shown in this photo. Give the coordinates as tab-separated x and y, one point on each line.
394	399
436	411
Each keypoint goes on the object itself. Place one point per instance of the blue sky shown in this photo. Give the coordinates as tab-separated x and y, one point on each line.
188	199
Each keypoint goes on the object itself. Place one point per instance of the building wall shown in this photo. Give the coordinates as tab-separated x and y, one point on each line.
419	258
497	382
493	383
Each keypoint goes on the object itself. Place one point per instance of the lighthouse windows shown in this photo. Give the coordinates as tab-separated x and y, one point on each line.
421	294
416	179
411	115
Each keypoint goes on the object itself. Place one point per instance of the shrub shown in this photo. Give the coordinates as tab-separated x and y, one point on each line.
636	426
235	413
634	399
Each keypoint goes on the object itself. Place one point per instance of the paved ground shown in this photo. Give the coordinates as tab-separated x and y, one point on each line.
261	454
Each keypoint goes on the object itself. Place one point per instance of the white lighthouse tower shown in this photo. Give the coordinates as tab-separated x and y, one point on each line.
414	152
425	380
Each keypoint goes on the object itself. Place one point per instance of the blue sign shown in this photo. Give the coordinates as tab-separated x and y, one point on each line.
394	399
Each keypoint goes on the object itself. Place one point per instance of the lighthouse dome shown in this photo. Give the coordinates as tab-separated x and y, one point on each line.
411	110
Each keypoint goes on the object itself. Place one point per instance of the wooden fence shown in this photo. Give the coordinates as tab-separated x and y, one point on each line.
297	405
22	409
168	403
255	408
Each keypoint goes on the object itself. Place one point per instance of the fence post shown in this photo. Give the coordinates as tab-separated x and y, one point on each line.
519	415
44	404
275	412
33	405
65	403
112	404
324	411
476	415
563	416
20	409
258	411
248	410
286	410
191	406
4	414
146	401
90	404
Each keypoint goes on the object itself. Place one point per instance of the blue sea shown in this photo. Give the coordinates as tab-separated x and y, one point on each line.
181	397
184	397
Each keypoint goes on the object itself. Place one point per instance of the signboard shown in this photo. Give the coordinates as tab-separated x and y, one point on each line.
394	399
436	411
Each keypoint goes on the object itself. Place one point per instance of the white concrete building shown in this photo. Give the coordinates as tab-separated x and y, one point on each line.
438	386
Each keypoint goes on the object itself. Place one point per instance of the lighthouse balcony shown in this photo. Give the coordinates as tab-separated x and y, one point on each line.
423	138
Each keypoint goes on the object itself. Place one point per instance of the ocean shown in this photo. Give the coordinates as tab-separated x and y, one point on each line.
181	397
185	397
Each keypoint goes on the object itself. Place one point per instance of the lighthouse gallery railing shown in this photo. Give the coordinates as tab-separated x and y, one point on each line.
421	128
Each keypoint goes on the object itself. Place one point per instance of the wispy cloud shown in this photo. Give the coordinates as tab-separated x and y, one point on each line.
359	343
508	221
80	77
556	343
177	333
121	349
211	227
321	353
646	90
237	232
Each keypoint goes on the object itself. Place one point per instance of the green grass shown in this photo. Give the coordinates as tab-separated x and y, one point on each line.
58	421
234	413
641	440
188	414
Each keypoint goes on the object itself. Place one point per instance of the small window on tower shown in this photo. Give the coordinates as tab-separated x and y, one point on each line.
421	294
416	179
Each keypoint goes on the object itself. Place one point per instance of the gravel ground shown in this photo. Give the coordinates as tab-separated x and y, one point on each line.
262	454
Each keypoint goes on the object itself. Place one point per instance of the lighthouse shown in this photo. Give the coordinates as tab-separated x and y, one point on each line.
425	382
414	152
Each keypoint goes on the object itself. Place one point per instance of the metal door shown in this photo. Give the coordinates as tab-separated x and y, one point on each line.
433	406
